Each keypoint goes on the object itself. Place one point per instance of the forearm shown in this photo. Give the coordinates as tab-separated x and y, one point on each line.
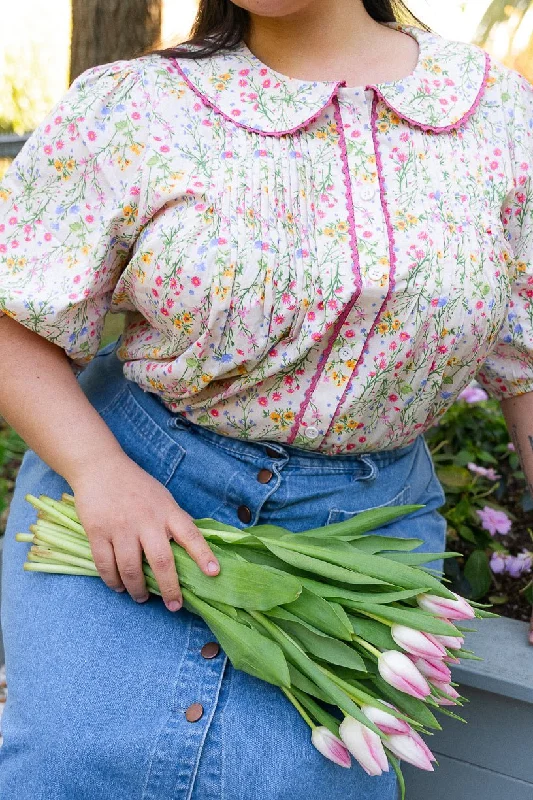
41	398
518	413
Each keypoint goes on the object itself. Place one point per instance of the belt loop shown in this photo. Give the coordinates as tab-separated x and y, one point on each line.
369	461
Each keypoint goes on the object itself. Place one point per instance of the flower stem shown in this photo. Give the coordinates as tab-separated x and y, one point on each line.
367	645
289	695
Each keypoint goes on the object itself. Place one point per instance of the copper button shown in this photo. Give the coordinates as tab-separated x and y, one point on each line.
244	514
264	475
271	453
210	650
194	712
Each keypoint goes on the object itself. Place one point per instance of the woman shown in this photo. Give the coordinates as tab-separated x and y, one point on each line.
313	267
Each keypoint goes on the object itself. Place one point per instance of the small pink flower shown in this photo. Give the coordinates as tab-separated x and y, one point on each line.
473	394
494	521
417	642
331	746
364	745
445	607
410	749
450	691
397	669
432	668
451	642
384	721
489	473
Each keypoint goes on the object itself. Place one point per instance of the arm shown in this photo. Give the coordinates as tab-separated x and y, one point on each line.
518	413
121	518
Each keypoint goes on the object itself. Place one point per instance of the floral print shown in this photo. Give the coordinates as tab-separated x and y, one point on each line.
308	262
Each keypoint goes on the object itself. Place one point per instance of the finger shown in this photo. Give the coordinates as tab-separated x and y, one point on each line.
104	559
187	535
128	555
159	555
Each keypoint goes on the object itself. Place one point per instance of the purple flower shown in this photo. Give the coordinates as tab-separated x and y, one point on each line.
494	521
518	565
487	473
511	447
473	394
498	563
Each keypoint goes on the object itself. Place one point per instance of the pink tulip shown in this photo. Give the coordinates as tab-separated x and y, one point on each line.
451	642
384	721
330	746
432	668
416	736
451	660
417	642
398	670
411	750
364	745
450	691
442	607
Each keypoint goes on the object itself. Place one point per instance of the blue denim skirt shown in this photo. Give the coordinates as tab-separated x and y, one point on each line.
99	684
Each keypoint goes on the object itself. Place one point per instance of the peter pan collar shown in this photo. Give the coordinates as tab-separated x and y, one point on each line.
443	90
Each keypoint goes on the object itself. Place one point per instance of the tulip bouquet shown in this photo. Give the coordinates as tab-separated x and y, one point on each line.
350	625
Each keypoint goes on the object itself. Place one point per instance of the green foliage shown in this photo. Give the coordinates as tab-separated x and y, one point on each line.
11	451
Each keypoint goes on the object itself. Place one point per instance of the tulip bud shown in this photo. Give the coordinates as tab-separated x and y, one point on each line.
364	745
443	607
417	642
432	668
450	691
410	749
384	721
451	642
330	746
397	669
451	660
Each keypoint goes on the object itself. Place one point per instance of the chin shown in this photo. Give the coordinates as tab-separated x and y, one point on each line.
272	8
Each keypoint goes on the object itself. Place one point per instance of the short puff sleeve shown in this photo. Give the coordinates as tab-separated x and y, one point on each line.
508	369
71	207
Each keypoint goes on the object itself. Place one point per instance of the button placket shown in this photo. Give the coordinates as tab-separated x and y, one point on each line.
370	250
181	739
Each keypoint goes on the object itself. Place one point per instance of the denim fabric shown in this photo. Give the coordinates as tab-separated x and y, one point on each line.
98	684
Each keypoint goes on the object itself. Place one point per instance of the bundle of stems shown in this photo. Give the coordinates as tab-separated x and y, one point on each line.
335	616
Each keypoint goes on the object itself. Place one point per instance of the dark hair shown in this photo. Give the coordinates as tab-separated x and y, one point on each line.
219	24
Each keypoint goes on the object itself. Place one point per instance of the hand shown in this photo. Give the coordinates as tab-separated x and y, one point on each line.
125	511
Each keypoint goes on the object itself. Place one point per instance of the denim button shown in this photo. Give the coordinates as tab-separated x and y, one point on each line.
244	514
194	712
264	475
210	650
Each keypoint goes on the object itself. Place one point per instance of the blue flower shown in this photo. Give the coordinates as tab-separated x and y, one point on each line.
442	301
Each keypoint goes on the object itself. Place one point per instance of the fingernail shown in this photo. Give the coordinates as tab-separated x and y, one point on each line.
212	567
143	599
121	589
174	605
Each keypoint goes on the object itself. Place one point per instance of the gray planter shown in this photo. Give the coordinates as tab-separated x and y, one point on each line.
491	757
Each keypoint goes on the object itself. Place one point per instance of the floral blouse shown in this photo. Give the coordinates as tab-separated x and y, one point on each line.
323	265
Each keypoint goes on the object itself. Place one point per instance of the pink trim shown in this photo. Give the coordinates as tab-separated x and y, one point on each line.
355	268
392	254
444	128
208	102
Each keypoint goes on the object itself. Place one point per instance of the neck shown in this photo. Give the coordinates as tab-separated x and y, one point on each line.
319	37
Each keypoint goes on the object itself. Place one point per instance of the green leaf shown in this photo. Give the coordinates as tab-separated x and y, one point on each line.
191	362
246	648
374	632
466	533
395	762
152	162
478	573
296	656
239	583
414	559
411	706
412	617
325	647
457	477
322	716
364	521
319	567
318	612
302	682
375	544
378	567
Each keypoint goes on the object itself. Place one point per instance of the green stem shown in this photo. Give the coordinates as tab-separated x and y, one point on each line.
58	516
320	714
62	508
57	528
374	616
65	543
55	557
367	645
289	695
63	569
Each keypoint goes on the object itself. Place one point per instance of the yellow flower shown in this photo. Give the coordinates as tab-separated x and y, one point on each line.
177	322
342	227
383	261
274	416
329	232
147	257
321	135
382	327
352	424
338	427
350	363
396	325
383	127
289	415
521	267
206	377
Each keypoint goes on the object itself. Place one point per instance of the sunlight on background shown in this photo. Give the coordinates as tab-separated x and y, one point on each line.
34	46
